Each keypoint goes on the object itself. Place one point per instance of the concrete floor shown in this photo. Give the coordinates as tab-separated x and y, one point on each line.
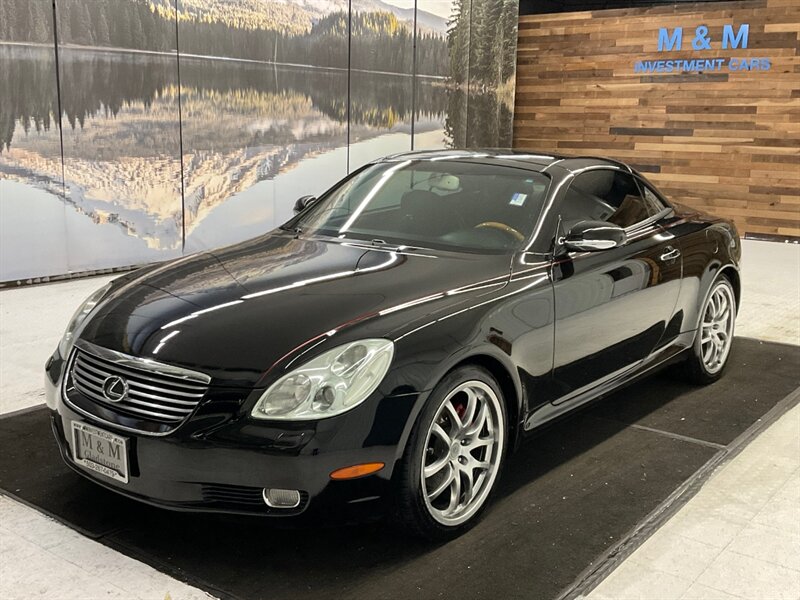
770	307
32	320
737	538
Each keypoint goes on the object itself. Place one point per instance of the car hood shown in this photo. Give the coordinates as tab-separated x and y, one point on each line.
237	312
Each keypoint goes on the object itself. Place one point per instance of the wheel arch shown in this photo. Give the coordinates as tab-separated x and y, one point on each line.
501	368
723	261
694	368
450	354
512	393
504	371
713	271
732	273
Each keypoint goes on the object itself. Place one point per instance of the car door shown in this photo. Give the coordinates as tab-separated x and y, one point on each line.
612	306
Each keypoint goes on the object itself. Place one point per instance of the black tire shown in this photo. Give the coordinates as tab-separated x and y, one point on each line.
695	369
413	512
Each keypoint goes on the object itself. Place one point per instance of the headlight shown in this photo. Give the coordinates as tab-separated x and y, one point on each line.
329	385
65	345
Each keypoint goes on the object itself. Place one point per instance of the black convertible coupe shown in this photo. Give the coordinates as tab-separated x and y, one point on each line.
386	349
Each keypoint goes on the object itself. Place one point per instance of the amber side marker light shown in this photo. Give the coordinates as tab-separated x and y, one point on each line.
357	471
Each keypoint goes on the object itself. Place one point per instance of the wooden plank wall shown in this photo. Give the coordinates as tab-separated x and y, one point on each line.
728	142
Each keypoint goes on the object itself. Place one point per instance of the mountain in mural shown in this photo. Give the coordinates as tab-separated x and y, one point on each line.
305	32
289	16
425	20
273	99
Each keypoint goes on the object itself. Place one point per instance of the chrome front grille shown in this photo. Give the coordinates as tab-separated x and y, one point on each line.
153	392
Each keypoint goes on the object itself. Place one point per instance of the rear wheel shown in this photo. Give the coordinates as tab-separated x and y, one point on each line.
454	456
714	338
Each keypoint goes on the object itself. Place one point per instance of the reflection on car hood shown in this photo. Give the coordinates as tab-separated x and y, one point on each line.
238	311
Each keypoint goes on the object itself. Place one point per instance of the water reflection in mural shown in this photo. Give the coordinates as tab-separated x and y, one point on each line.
33	238
261	98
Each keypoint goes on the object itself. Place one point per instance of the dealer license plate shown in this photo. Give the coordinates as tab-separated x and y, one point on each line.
100	451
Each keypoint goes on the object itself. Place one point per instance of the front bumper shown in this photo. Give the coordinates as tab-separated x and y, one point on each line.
220	460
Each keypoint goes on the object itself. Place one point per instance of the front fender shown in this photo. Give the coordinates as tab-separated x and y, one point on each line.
707	251
725	257
440	348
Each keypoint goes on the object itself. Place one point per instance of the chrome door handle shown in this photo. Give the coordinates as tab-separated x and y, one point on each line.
670	253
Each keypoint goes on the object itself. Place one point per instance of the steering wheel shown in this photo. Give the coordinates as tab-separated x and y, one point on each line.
504	228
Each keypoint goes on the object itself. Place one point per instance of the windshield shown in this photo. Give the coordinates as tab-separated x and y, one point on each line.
428	203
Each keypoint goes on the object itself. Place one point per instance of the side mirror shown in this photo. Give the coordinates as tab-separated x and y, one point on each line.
303	202
590	236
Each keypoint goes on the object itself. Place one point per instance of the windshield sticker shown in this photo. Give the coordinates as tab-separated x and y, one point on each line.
518	199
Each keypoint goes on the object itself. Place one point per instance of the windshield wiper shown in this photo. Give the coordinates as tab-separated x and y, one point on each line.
384	245
297	230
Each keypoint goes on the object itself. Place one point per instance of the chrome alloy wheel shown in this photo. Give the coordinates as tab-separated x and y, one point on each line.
716	332
462	452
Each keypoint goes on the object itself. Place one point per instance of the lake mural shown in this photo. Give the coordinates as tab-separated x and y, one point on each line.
137	131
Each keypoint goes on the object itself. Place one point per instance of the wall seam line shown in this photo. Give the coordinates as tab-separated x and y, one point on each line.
60	129
180	131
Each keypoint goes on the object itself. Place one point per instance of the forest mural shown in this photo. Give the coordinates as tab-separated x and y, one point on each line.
134	131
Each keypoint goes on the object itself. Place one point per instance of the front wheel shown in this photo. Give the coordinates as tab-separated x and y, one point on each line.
712	344
454	456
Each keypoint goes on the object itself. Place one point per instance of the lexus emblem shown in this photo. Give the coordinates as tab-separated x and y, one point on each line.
115	388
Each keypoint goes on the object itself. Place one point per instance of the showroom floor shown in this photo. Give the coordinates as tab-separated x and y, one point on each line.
737	538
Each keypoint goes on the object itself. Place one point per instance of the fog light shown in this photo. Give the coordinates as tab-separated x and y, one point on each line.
276	498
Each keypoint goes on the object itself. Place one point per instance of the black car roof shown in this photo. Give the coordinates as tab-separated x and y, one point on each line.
531	159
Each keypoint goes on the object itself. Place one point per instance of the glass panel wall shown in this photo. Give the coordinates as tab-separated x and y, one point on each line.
381	82
492	70
120	125
434	82
313	63
261	95
33	215
191	124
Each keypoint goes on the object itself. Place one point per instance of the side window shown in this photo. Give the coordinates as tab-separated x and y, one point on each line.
653	202
605	195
